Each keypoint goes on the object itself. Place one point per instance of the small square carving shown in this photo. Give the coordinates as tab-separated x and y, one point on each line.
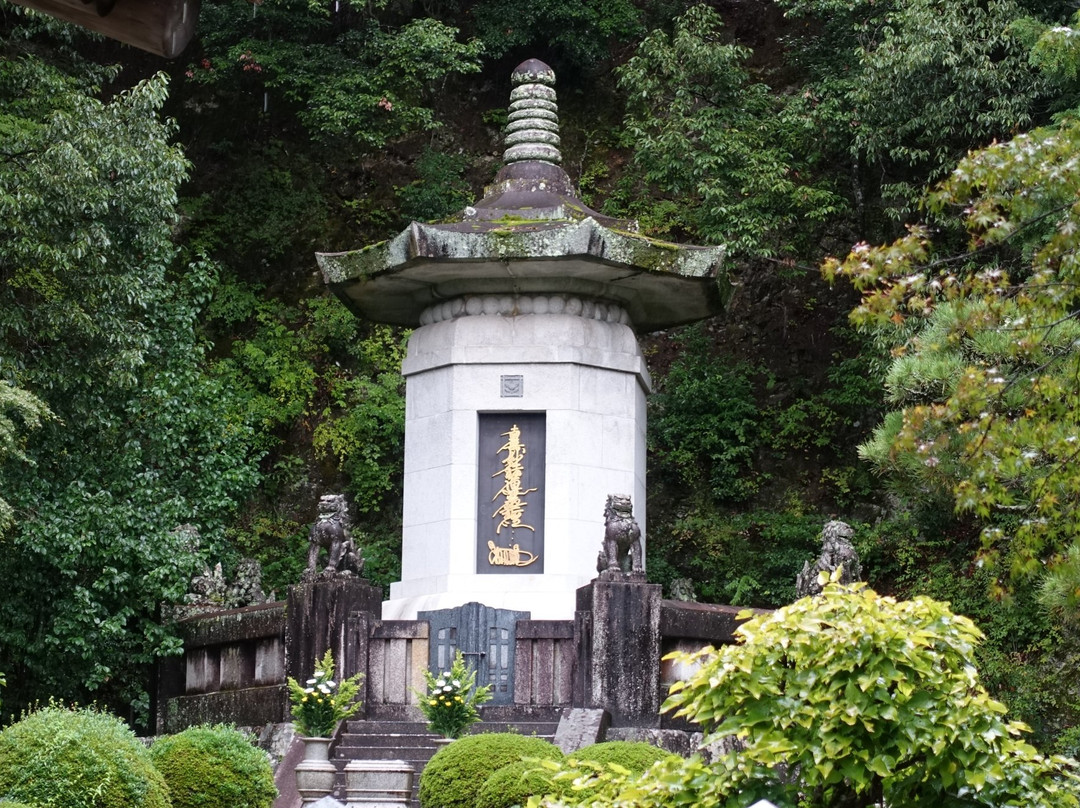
513	386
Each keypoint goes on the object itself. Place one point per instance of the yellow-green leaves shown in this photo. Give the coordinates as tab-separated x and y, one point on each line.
985	346
849	698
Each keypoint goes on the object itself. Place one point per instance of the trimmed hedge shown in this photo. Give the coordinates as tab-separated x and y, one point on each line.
214	767
77	758
514	783
457	772
636	756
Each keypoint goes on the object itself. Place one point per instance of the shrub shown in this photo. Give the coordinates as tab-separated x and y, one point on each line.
214	767
636	756
514	783
457	772
77	758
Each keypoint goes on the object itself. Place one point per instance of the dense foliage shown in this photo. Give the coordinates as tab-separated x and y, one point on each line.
214	767
459	770
144	450
848	699
77	757
159	308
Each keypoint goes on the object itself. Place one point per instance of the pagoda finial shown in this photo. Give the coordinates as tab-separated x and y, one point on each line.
532	131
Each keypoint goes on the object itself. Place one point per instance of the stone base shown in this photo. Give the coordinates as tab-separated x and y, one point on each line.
618	623
545	597
317	619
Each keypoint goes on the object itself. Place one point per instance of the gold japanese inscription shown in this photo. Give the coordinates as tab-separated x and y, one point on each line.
509	556
513	469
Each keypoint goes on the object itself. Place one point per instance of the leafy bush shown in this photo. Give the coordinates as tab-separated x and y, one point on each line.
514	783
440	189
458	771
636	756
78	758
214	767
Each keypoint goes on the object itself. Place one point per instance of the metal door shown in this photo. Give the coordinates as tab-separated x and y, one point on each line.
485	637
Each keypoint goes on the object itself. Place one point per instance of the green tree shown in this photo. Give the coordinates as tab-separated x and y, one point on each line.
849	699
901	89
16	407
706	133
349	77
984	344
99	321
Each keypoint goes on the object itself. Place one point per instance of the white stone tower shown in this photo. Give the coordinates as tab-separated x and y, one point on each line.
525	386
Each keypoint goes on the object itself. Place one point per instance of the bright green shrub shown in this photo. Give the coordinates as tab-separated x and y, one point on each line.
514	783
459	770
77	758
214	767
636	756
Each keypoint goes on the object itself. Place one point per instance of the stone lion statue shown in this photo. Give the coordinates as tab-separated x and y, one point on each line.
622	538
333	530
836	550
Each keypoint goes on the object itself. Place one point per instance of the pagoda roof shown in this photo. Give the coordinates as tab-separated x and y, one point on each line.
530	234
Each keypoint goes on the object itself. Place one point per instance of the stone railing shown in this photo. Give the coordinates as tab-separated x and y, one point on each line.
232	670
236	662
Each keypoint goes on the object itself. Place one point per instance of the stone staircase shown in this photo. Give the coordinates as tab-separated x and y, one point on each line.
401	739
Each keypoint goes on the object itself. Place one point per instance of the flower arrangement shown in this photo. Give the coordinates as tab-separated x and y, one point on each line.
452	698
322	702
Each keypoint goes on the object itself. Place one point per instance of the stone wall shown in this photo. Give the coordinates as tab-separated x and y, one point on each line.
236	662
232	670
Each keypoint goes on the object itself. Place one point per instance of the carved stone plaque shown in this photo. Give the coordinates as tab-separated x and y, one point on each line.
511	489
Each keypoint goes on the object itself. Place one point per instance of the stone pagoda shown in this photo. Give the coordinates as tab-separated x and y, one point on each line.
525	385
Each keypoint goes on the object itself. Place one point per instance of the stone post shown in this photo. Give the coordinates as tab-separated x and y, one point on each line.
318	618
618	625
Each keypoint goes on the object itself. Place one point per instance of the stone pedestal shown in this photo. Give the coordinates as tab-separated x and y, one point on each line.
618	623
315	774
378	783
317	619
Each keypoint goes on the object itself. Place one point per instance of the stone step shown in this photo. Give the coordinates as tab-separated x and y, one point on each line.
359	727
384	752
411	742
361	739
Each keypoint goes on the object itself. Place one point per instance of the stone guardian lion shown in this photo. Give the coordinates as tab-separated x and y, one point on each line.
622	551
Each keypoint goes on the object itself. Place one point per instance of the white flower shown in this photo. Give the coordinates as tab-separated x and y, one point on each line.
447	689
456	683
440	683
309	690
324	689
311	681
331	683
